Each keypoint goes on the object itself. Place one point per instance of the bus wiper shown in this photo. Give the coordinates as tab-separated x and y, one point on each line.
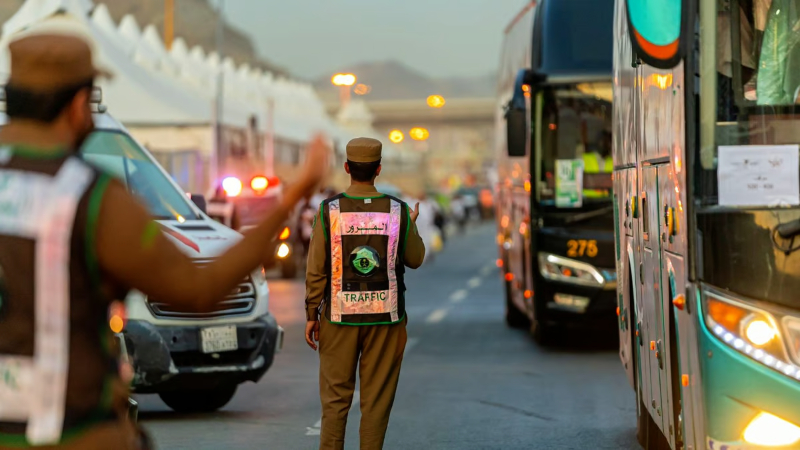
788	230
590	215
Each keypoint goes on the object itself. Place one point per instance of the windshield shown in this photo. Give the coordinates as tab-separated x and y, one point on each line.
573	138
119	155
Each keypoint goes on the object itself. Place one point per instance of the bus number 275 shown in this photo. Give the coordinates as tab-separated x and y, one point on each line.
581	247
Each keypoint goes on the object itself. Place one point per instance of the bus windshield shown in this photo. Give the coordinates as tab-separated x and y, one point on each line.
573	138
119	155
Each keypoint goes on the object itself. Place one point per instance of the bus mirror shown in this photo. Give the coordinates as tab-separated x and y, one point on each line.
516	131
200	201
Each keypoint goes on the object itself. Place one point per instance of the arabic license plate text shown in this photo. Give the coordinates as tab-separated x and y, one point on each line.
219	339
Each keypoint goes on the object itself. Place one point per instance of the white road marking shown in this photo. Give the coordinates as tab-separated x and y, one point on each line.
474	282
317	427
487	270
458	296
437	316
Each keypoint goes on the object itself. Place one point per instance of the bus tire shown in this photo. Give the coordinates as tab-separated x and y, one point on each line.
514	317
289	267
542	333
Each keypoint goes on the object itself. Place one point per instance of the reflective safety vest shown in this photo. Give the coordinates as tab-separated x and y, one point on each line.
222	212
366	240
592	162
52	361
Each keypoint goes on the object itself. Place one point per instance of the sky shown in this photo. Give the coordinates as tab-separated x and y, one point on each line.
440	38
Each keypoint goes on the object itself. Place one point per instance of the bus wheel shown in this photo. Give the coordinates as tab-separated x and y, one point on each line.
514	317
542	333
289	267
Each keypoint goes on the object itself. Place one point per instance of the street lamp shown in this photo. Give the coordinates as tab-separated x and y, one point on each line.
344	81
436	101
396	136
419	134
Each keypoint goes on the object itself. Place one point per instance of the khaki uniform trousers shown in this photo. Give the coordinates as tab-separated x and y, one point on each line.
380	348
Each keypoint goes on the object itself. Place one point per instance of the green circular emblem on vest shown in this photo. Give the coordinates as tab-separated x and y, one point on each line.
365	260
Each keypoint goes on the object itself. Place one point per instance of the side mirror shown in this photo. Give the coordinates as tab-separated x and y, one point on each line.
200	201
517	126
516	131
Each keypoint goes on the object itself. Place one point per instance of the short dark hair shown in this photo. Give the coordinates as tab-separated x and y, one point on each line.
45	107
363	172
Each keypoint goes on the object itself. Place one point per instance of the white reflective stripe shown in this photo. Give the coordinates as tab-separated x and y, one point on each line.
16	384
394	237
23	198
52	304
337	272
5	154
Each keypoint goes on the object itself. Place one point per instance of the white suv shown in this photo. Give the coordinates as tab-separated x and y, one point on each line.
193	361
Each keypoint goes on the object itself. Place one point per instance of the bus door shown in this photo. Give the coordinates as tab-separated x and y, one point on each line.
627	280
653	320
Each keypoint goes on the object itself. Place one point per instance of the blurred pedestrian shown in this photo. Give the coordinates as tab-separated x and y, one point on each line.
459	212
308	213
355	297
427	226
60	388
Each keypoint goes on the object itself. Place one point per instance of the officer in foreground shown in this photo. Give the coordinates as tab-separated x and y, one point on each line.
355	297
72	239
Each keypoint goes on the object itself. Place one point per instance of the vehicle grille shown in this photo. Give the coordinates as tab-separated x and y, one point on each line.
241	301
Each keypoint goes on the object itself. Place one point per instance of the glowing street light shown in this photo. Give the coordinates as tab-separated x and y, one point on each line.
419	133
396	136
343	79
435	101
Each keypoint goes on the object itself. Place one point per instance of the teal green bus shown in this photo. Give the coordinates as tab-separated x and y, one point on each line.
706	138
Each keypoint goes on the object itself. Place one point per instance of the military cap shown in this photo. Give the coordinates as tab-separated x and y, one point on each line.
364	150
54	54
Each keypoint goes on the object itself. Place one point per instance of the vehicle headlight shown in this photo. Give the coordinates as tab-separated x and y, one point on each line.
283	250
754	329
771	431
559	268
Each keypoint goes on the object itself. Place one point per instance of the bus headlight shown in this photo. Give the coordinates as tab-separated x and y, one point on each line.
558	268
752	328
771	431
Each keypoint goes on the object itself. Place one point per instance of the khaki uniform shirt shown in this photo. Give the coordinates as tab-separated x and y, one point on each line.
316	275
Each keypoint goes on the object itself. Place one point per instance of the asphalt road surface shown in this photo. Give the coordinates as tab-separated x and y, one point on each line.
468	381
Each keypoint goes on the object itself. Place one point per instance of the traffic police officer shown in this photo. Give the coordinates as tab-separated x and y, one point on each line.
355	297
71	240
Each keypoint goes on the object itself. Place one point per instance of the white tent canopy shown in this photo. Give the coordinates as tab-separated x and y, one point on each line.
156	87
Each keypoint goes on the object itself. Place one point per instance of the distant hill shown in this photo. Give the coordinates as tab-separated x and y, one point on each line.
195	22
392	80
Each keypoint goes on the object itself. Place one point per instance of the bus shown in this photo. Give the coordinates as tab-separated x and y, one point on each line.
706	194
554	207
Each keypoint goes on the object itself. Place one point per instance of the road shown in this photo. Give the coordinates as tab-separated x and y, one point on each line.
468	381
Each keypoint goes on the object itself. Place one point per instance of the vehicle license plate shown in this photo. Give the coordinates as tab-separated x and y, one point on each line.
219	339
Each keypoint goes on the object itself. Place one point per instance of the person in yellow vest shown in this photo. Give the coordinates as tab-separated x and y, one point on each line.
73	239
361	243
596	162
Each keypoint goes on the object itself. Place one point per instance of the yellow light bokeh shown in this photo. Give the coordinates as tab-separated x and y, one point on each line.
396	136
343	79
436	101
116	324
663	81
419	133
